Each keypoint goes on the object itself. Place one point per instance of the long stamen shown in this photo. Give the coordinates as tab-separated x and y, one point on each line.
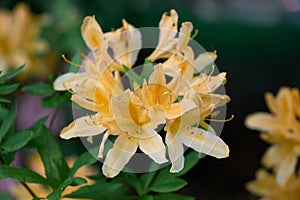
68	61
65	86
221	120
195	34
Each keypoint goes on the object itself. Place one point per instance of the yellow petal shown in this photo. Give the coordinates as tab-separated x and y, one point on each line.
286	168
157	76
262	122
82	127
178	109
204	142
175	151
92	32
154	147
119	155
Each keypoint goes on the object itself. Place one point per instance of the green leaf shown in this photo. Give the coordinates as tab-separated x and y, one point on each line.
8	121
100	190
3	100
8	158
148	69
172	196
56	194
55	165
147	178
8	88
86	158
17	141
146	197
21	174
11	74
133	77
39	89
132	180
191	159
164	185
52	102
78	181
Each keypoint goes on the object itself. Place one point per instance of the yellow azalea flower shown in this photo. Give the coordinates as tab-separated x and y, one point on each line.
19	41
181	104
124	43
184	130
138	130
281	128
35	163
167	34
266	187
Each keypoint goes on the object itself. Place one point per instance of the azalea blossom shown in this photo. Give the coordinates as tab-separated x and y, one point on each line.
162	98
281	128
266	186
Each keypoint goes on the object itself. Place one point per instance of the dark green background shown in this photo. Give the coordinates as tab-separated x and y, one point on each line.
258	57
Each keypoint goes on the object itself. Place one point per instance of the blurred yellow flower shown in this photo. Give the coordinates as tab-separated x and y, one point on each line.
35	163
281	128
266	187
19	41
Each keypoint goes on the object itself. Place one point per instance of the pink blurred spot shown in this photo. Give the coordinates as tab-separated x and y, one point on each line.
291	5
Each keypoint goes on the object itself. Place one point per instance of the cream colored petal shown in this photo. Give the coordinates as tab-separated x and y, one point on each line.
175	84
286	168
154	147
168	26
83	102
119	155
273	156
92	32
175	151
157	76
262	122
126	47
82	127
157	114
120	111
102	145
184	35
203	60
204	142
167	33
178	109
68	81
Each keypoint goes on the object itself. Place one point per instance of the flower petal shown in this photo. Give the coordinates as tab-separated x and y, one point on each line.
175	151
286	168
262	122
68	81
82	127
184	35
92	32
178	109
119	155
204	59
204	142
154	147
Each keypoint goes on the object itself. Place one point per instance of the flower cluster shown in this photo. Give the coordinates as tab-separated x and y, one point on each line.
19	41
280	128
174	94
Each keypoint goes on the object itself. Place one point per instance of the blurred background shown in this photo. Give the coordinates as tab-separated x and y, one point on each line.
258	45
